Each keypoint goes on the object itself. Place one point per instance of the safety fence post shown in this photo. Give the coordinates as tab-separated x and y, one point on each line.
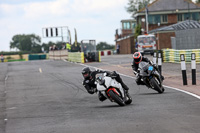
193	66
183	68
154	58
160	63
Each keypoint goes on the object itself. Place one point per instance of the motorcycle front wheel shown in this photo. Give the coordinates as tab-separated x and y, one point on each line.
156	85
116	98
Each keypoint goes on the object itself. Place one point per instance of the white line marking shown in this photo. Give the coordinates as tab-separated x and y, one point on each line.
40	70
6	77
11	108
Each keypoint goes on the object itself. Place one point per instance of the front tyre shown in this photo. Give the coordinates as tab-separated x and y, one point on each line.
155	83
116	98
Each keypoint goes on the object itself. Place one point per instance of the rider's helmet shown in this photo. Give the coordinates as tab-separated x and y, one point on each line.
86	72
137	56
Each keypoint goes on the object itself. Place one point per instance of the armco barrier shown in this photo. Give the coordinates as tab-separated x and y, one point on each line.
172	55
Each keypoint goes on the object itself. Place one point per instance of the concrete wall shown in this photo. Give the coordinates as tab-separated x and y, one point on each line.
58	54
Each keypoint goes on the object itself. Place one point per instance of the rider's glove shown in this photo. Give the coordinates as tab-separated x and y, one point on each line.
92	90
151	62
98	70
135	72
154	65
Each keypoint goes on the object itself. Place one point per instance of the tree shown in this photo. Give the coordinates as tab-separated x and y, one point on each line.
135	5
24	42
104	46
197	1
137	31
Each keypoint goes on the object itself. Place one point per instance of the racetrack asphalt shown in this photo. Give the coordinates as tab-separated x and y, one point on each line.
48	97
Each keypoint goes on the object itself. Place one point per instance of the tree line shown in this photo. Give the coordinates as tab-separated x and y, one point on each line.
31	43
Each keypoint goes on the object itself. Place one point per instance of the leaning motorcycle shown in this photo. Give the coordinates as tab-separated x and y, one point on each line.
150	76
112	90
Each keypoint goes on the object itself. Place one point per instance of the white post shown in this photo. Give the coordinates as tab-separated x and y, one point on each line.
193	66
183	68
154	58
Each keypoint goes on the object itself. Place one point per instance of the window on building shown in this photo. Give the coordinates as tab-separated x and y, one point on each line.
195	16
133	25
180	17
126	25
164	18
154	19
187	16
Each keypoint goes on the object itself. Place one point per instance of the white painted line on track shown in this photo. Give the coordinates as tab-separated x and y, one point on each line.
6	77
189	93
40	70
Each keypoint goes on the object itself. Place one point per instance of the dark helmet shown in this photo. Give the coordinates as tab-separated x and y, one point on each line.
137	56
86	72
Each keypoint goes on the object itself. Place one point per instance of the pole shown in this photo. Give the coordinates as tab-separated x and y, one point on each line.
183	68
160	63
147	27
193	66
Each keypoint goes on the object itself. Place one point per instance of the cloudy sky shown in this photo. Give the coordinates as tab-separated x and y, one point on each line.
93	19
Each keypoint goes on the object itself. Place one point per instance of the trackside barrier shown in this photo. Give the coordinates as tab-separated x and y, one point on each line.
76	57
106	52
58	54
172	55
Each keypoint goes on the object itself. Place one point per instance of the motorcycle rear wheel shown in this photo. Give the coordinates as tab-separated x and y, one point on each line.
116	98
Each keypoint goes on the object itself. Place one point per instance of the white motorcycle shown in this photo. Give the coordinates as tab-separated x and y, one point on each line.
112	90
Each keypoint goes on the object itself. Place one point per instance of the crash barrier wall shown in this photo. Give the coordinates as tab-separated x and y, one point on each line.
58	54
37	57
172	55
79	57
76	57
106	52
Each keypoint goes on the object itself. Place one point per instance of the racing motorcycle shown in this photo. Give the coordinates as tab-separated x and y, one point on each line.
112	90
150	76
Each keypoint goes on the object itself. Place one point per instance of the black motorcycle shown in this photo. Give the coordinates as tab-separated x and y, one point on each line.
150	76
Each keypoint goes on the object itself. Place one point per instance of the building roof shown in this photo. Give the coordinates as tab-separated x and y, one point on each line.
170	5
188	24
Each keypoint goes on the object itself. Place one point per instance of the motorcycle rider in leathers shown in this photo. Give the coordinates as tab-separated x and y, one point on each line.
89	81
137	58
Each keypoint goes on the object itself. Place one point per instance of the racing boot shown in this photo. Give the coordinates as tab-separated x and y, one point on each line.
162	77
101	97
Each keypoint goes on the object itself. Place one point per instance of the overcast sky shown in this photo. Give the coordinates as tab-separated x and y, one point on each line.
93	19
